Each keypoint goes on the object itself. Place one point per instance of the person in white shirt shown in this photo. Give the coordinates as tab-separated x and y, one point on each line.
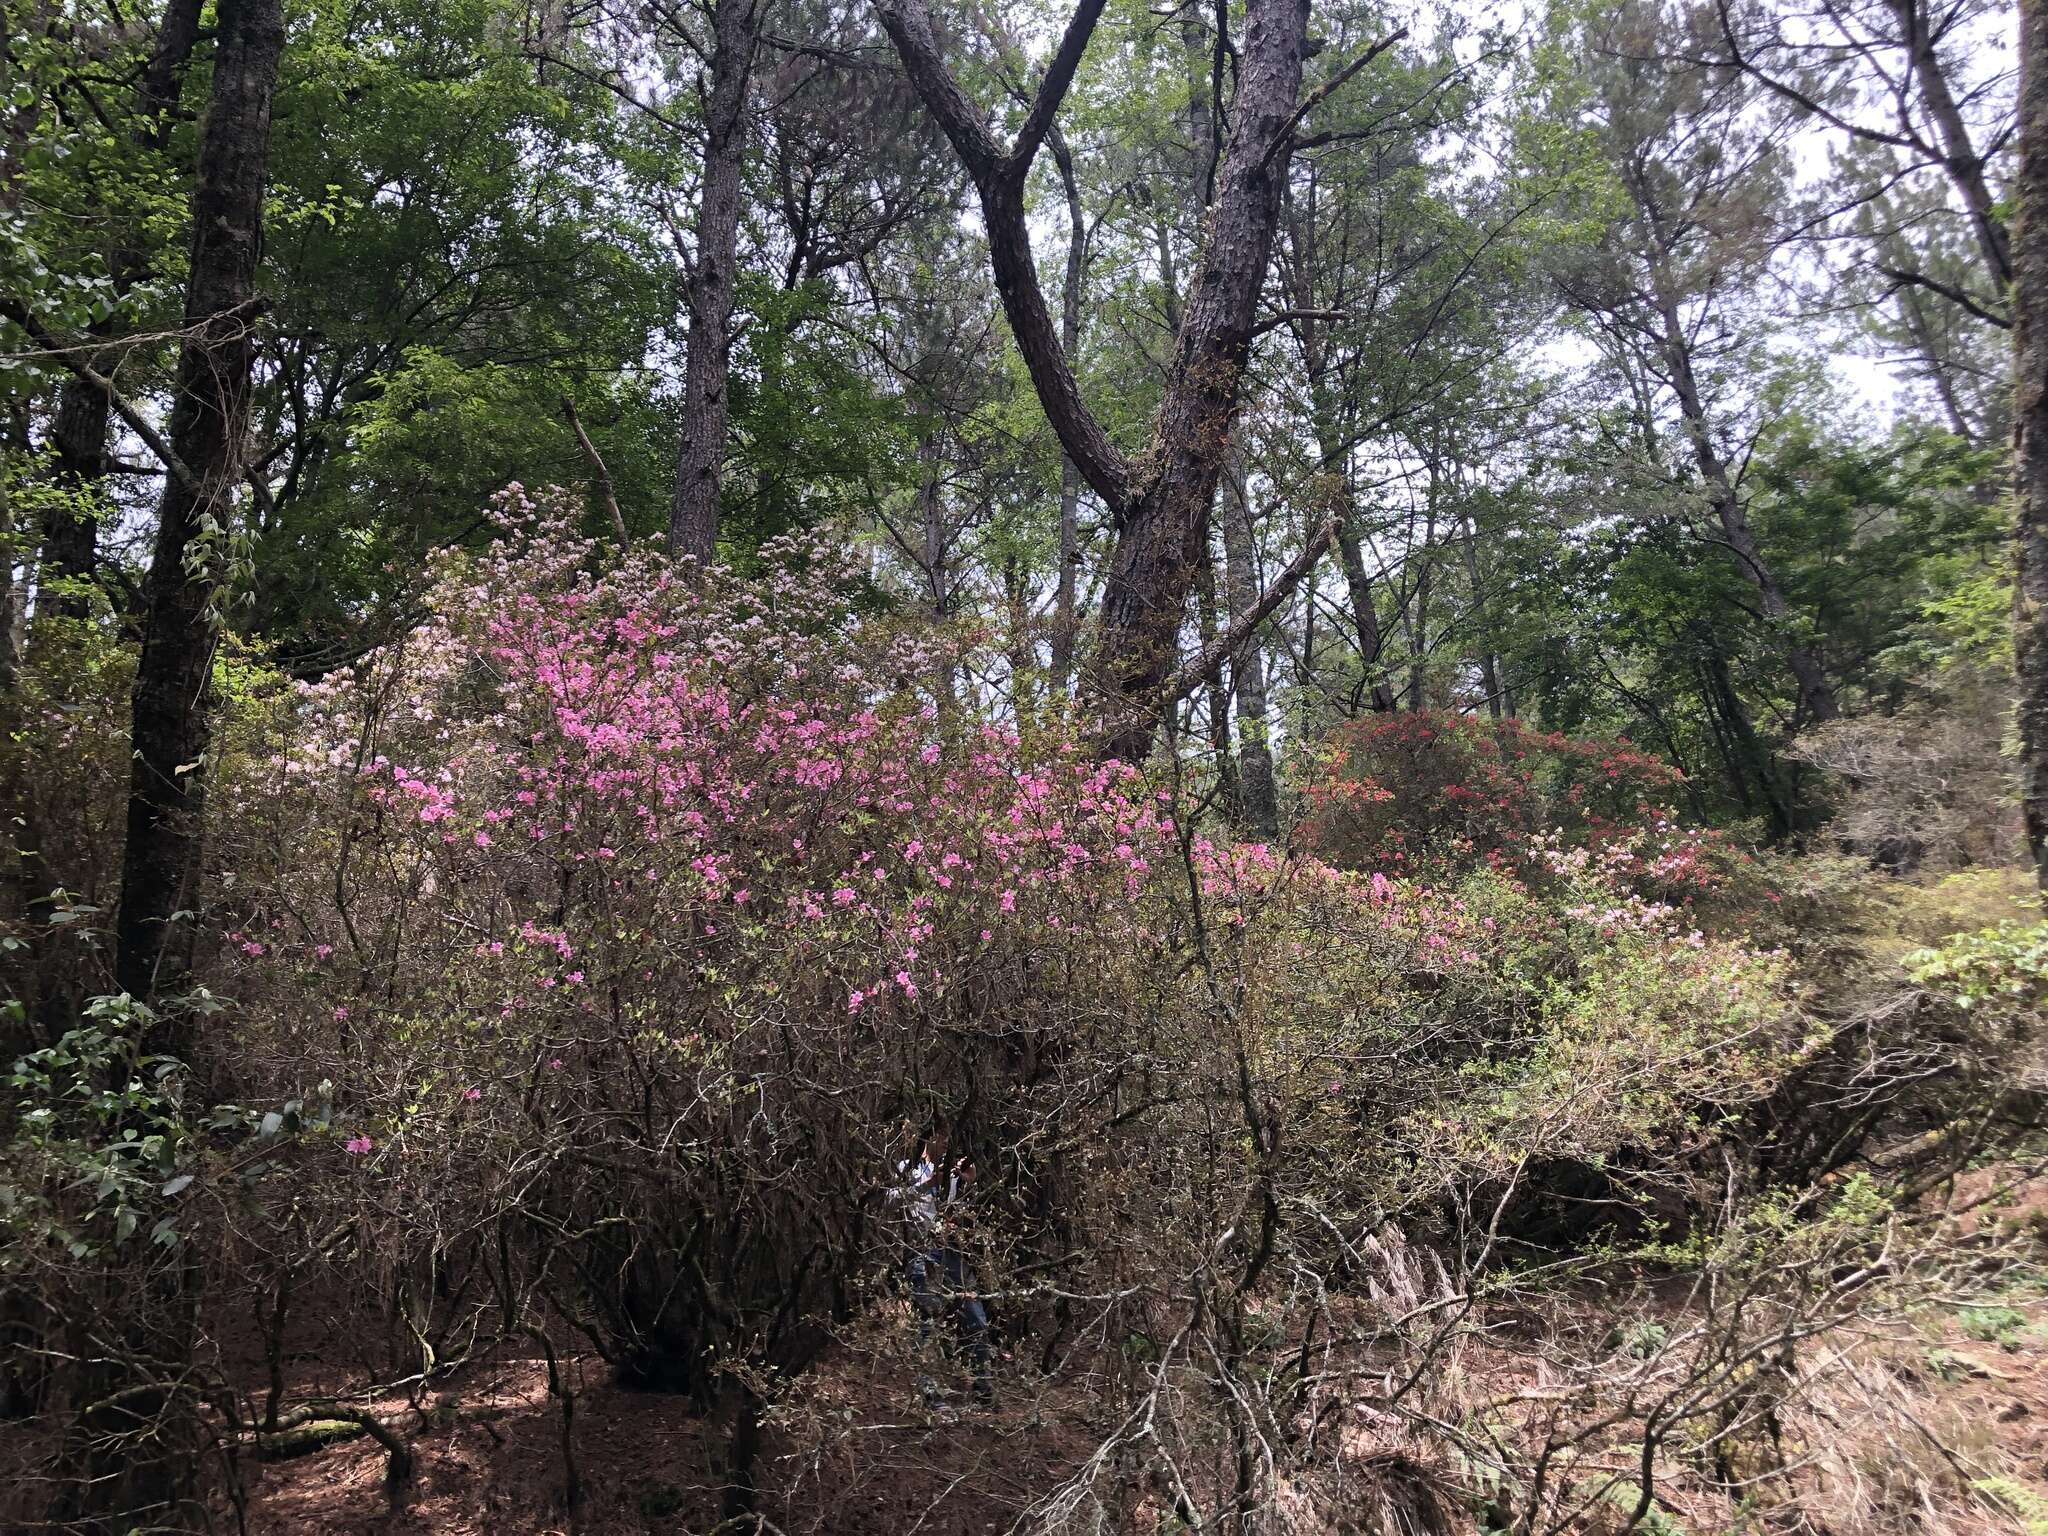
941	1283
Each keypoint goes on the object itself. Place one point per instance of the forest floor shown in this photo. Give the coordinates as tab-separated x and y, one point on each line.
1937	1426
649	1463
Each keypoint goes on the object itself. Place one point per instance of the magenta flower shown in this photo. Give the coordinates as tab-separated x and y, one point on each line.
357	1146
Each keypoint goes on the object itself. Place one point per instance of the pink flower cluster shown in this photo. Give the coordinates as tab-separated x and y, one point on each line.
621	794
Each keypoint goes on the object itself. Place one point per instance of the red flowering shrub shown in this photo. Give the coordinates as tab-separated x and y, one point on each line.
1435	794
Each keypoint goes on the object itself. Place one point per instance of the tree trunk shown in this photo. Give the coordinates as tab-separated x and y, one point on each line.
1914	313
1816	694
2030	429
171	726
79	434
1066	618
1922	333
133	1450
1159	543
1336	460
1260	794
932	534
19	131
1365	618
1498	706
11	599
710	290
1229	791
1742	754
1960	160
1416	621
1020	649
70	542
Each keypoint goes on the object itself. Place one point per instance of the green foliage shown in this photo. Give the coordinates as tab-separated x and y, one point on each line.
99	1146
2003	1326
813	436
2012	1496
452	256
2003	969
1865	531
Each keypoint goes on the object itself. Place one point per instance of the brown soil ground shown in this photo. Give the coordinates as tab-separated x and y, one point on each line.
649	1464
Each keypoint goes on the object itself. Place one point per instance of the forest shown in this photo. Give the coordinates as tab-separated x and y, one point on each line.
1192	767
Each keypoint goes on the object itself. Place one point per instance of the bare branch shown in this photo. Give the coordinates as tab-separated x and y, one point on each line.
1948	291
1204	666
1329	88
603	475
74	358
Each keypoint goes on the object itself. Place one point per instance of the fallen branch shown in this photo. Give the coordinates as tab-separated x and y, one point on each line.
312	1426
315	1425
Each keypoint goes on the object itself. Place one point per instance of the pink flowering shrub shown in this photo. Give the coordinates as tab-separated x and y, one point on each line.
637	927
670	905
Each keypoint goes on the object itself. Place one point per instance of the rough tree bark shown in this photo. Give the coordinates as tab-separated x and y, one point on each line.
710	287
2030	429
1159	501
1066	617
171	724
79	433
1229	789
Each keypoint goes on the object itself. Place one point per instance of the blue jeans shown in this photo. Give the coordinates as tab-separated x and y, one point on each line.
942	1284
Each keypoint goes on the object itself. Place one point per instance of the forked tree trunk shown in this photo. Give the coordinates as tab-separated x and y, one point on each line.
171	719
1161	500
1153	564
2030	429
711	287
